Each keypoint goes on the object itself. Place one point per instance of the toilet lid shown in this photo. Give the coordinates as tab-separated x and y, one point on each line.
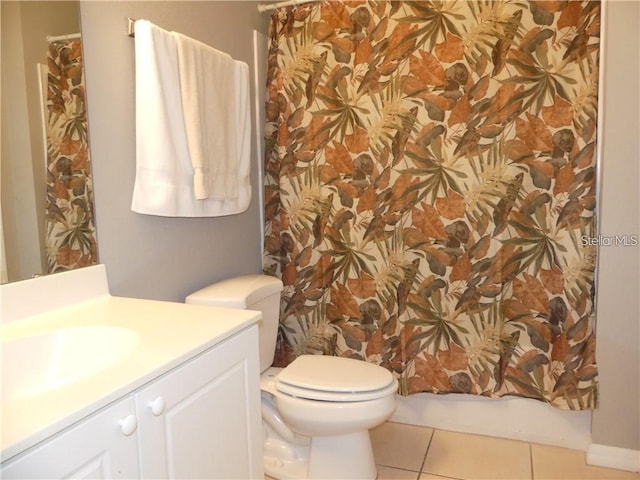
323	377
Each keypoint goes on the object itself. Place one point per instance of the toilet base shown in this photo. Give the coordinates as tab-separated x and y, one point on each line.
347	456
341	457
284	461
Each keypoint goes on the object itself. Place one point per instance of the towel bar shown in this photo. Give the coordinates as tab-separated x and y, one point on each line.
131	27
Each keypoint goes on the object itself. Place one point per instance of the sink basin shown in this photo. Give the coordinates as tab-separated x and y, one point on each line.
36	364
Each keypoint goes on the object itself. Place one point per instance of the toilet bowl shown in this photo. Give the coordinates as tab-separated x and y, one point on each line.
317	411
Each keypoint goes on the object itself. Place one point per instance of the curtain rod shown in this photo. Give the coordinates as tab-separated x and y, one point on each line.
266	7
62	38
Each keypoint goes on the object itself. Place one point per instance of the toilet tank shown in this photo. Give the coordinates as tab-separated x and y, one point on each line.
249	292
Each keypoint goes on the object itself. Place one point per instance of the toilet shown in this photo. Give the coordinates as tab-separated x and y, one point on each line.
317	411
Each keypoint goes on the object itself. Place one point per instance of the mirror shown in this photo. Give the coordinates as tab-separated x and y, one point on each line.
46	192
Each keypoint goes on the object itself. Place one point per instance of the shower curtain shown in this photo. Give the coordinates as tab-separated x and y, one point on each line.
70	234
430	191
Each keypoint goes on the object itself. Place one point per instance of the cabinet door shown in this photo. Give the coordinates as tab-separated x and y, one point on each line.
203	420
95	448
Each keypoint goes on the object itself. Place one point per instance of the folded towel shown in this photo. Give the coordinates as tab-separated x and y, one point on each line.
215	91
164	183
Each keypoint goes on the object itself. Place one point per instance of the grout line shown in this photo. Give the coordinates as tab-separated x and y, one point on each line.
531	460
398	468
443	477
424	459
395	467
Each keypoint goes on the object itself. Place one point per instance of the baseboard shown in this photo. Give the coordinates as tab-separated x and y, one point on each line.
613	457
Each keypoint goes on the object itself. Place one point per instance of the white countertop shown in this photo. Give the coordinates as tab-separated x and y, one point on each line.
170	334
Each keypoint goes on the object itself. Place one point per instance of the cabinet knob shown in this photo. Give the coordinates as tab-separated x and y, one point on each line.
128	425
157	406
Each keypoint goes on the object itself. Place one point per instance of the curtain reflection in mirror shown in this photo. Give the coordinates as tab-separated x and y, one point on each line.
71	234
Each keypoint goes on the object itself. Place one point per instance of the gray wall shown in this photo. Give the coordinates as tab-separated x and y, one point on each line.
145	256
617	421
163	258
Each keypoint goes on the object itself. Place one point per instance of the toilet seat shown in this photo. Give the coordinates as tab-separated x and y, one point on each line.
334	379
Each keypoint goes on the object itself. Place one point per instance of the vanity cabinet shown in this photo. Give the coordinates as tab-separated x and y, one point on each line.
203	420
94	448
198	420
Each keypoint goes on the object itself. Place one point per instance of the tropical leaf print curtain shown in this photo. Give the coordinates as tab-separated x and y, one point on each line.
71	234
430	183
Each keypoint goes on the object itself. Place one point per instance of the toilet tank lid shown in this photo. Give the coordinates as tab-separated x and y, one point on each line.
238	292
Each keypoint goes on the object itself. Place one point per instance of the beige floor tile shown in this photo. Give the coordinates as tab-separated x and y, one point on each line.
400	446
389	473
465	456
555	463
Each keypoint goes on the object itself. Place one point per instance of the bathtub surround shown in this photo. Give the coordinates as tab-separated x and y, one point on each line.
431	170
507	417
152	259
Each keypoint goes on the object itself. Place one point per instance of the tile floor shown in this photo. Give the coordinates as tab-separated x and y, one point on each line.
406	452
419	453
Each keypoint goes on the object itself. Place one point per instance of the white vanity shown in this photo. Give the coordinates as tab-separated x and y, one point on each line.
95	386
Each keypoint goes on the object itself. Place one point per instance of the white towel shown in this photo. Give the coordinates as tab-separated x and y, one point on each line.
215	93
164	172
